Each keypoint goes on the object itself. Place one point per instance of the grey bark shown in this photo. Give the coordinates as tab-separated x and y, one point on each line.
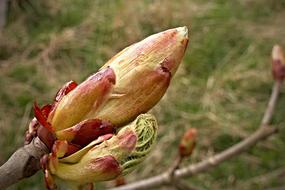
23	163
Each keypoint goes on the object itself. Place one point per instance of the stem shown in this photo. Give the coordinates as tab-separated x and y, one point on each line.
260	134
175	166
271	103
229	153
23	163
204	165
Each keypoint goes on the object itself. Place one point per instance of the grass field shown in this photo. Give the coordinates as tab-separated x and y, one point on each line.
221	88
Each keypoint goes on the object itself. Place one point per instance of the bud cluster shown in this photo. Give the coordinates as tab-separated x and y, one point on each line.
98	130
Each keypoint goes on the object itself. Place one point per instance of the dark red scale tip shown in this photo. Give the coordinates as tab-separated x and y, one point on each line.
89	130
41	117
46	136
69	86
106	73
111	75
72	148
46	110
45	132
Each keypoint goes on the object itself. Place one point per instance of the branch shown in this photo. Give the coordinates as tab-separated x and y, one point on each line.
23	163
271	103
261	133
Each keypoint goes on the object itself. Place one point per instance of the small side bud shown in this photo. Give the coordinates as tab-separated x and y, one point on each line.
188	142
278	63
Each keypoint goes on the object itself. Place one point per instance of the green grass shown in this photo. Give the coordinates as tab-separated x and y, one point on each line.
221	88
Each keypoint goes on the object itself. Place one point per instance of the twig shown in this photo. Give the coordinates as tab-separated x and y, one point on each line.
261	133
175	182
23	163
175	166
272	103
205	165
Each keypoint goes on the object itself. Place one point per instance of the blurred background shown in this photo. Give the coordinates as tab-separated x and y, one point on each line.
221	88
